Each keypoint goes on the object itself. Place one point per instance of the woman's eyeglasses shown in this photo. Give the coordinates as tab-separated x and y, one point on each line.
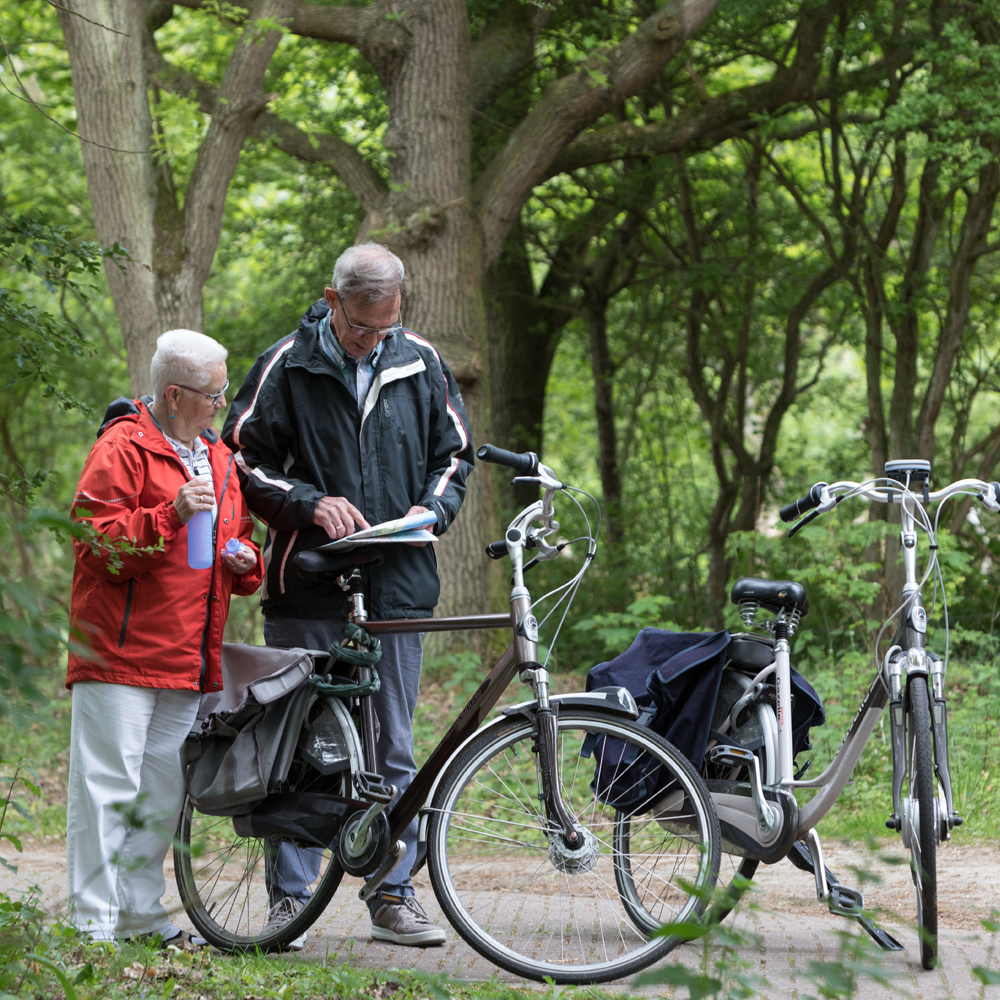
213	396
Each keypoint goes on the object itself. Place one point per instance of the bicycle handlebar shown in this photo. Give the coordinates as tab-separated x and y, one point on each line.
525	463
812	499
826	496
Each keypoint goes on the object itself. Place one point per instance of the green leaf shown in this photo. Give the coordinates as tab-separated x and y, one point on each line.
988	977
86	974
4	835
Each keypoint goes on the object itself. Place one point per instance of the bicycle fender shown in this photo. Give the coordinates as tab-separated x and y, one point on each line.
609	699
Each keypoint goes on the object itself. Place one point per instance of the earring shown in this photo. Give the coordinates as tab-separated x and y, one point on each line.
172	415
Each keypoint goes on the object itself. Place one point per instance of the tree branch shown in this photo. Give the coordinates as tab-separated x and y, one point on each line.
571	104
708	123
239	101
343	159
329	24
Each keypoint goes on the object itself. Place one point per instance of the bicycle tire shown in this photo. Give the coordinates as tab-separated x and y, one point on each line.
506	884
924	834
221	875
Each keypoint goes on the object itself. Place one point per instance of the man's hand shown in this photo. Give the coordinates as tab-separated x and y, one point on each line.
418	510
337	516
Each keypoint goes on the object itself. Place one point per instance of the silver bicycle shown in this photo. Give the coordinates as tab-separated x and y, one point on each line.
749	767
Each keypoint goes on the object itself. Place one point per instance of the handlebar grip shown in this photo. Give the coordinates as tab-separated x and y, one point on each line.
496	550
810	500
525	463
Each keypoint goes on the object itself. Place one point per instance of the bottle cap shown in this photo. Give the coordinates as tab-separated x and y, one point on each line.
233	547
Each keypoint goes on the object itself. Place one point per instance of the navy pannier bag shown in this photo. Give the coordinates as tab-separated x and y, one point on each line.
676	676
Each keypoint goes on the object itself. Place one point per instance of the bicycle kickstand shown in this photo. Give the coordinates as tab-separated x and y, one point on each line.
842	900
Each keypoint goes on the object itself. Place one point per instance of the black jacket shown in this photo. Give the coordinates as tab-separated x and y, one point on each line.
299	437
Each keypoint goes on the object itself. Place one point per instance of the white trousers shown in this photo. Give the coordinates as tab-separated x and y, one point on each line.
125	795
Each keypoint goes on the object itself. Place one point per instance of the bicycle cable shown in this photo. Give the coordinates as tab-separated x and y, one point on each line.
570	588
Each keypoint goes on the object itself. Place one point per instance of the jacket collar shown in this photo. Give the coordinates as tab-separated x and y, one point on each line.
308	351
147	432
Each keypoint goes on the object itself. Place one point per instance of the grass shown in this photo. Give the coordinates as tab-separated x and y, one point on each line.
128	970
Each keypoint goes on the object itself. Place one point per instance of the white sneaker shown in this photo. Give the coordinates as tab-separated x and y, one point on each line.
279	915
404	922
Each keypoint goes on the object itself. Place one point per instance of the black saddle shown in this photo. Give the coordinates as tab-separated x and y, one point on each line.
772	595
325	567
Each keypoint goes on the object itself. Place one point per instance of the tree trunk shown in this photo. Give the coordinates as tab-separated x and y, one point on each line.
524	333
604	410
133	199
430	223
109	83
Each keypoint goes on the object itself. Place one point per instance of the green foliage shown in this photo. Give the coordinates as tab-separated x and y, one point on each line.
34	250
29	943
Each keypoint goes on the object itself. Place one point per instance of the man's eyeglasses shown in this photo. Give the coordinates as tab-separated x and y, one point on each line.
362	330
213	396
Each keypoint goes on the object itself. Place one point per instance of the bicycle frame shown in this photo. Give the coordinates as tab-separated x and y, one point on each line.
520	657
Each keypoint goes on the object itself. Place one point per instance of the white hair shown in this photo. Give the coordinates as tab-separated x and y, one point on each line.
184	357
371	271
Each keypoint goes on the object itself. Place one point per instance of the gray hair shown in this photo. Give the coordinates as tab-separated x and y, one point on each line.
184	357
371	271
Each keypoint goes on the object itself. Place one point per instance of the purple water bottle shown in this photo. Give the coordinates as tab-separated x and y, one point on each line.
200	540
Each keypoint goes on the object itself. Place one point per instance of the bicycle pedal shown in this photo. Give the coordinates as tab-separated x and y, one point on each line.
372	787
730	756
845	901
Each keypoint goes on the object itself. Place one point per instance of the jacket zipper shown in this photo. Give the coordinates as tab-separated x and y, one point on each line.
203	676
128	611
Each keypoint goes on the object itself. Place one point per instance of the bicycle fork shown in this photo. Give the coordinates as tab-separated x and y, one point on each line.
559	819
918	662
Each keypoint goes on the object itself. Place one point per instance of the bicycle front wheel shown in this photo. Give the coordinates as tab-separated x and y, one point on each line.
510	886
923	824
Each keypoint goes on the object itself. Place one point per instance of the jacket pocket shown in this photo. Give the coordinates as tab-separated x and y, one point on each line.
128	611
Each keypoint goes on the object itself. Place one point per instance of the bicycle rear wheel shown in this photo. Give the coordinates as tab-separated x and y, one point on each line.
922	819
515	893
223	877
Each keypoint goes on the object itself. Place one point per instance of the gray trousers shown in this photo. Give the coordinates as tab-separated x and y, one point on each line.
295	869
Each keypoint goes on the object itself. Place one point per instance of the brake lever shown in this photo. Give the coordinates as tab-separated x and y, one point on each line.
544	557
811	516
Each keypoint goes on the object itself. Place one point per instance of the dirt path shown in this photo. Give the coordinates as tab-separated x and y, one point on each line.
792	930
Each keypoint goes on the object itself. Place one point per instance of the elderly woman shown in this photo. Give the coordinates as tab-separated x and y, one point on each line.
154	627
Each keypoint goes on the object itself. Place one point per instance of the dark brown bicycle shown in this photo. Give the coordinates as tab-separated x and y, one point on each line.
559	836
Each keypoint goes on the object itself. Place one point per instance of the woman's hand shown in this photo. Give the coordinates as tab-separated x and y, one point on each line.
195	495
241	562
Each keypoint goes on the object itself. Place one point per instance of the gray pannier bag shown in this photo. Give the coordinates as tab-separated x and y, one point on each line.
243	740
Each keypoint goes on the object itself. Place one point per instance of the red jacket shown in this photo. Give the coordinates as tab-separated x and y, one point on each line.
156	623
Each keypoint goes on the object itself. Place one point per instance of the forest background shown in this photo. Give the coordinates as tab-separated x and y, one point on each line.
698	257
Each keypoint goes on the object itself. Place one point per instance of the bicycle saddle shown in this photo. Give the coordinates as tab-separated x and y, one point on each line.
772	595
327	566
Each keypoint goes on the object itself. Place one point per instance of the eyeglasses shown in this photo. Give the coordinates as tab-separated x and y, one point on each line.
362	330
213	396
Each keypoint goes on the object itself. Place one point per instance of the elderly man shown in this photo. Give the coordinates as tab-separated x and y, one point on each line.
353	419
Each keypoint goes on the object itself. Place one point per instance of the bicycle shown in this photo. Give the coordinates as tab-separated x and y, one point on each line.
559	837
753	789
